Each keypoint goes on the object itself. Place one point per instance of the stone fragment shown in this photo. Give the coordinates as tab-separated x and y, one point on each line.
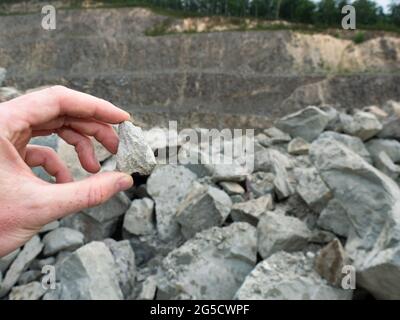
134	154
391	129
298	146
92	229
212	265
311	188
307	123
379	113
203	207
149	289
124	259
362	124
330	261
139	219
30	291
90	273
38	264
29	276
8	93
371	201
3	73
334	218
50	226
277	232
260	183
251	211
7	260
168	185
30	251
288	276
232	188
113	208
62	239
353	143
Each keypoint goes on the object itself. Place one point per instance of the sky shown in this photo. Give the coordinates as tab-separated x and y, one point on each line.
384	3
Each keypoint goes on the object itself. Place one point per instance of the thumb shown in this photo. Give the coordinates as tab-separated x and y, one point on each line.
73	197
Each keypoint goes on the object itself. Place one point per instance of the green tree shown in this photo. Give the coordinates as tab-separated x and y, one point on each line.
367	12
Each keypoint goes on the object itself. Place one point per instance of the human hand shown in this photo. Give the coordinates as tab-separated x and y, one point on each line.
27	203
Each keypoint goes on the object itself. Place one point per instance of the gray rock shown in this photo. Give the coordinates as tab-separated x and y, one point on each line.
30	251
288	276
334	218
7	260
260	183
353	143
307	123
50	141
113	208
232	171
68	155
271	160
385	164
251	211
90	273
92	229
134	154
273	136
390	147
62	239
50	226
29	276
371	200
277	232
391	129
168	185
330	261
212	265
232	188
124	259
237	198
139	219
203	207
298	146
311	188
363	125
149	289
379	113
3	73
30	291
38	264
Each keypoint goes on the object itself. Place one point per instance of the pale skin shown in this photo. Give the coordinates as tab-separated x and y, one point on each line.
27	203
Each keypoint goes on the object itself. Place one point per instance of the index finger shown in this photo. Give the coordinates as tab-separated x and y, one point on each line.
42	106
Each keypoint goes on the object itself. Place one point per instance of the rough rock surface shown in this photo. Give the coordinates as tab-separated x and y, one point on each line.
334	218
168	185
90	273
134	154
30	251
139	219
277	232
203	207
30	291
307	123
371	200
363	125
62	239
212	265
251	211
288	276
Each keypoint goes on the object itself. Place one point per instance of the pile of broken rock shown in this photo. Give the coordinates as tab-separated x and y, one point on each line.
323	195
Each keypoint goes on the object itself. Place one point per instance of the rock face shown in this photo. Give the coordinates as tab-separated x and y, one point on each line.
203	207
62	239
30	251
134	154
212	265
363	125
139	219
371	201
90	273
334	218
168	186
285	276
277	232
307	123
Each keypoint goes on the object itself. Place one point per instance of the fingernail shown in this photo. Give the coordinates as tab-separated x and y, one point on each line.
124	183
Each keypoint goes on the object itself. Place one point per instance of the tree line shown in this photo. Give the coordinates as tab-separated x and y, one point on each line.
323	12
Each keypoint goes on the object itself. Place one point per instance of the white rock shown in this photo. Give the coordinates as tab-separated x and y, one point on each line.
134	154
62	239
139	219
363	125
